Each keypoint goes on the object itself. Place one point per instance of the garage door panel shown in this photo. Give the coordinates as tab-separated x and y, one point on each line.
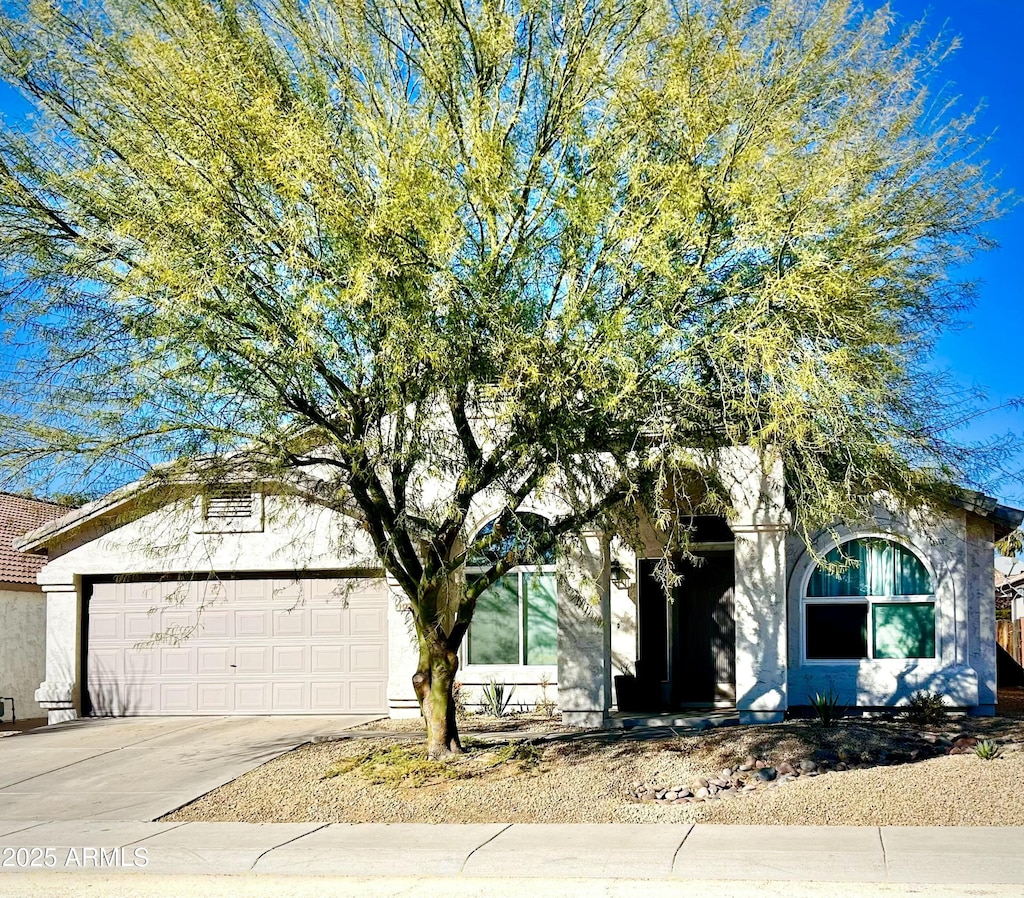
252	659
252	697
327	695
367	658
291	623
214	624
139	661
140	625
213	660
177	697
328	659
106	663
246	646
179	661
365	695
251	624
290	698
328	621
290	659
107	626
213	698
367	621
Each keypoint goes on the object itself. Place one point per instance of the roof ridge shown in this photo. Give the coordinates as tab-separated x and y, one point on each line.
11	495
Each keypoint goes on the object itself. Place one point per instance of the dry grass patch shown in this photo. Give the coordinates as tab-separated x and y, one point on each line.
406	765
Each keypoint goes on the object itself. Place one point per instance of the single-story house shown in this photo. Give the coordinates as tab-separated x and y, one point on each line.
250	602
22	606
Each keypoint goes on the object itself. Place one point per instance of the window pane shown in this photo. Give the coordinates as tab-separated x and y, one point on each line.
494	633
541	624
911	577
837	632
904	630
519	533
878	567
851	581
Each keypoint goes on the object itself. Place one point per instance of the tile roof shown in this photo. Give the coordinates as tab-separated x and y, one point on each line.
18	515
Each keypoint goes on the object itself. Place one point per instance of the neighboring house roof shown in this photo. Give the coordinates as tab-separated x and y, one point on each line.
19	515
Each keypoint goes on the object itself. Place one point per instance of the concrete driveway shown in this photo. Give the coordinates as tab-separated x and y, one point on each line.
140	768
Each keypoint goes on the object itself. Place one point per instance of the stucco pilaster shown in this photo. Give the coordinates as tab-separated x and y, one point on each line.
761	668
584	636
60	693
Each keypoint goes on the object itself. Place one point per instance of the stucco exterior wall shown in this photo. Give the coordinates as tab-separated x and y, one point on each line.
956	548
284	535
22	648
281	535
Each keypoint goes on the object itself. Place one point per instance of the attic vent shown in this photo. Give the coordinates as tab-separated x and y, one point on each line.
232	503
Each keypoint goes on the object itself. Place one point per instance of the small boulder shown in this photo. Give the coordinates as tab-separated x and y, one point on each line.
766	774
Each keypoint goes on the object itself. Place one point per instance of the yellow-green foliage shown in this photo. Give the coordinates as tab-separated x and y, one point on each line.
399	765
408	765
442	251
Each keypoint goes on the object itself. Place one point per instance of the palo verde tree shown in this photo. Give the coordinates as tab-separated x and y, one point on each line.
453	253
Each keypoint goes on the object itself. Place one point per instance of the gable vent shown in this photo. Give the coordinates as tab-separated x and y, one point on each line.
229	504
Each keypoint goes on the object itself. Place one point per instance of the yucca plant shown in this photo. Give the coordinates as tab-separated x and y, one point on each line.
496	699
826	706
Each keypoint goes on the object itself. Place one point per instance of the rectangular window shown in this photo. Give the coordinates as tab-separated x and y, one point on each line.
494	633
904	629
516	621
837	631
540	618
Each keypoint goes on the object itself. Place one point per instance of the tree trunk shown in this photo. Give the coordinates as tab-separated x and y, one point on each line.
433	682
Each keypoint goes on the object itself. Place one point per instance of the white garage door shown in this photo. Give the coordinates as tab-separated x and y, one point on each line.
276	645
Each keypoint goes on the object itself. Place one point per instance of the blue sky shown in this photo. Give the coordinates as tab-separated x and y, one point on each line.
986	351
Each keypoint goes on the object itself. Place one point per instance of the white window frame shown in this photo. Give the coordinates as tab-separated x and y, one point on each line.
870	601
464	661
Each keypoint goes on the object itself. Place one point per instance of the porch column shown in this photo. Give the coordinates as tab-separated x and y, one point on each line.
761	669
60	693
584	636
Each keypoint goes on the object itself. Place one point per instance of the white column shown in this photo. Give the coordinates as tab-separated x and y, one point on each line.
60	693
761	671
584	637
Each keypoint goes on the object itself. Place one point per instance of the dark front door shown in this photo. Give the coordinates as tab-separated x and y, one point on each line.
688	646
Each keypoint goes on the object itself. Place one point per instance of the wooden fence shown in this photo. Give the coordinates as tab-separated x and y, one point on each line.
1008	635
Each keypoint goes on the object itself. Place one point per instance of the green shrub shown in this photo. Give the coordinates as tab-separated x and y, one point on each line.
924	707
826	706
496	699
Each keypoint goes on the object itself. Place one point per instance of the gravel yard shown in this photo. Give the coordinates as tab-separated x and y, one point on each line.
896	775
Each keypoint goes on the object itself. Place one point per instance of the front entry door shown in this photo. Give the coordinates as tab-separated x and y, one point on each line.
688	646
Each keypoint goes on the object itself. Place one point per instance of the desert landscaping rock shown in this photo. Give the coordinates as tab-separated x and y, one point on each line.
617	779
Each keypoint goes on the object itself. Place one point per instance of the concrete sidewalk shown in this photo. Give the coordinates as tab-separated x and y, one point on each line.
981	855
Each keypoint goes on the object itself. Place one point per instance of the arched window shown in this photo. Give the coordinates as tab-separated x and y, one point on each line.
882	605
516	618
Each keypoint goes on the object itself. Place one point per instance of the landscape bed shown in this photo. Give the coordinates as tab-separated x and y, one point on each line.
859	772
